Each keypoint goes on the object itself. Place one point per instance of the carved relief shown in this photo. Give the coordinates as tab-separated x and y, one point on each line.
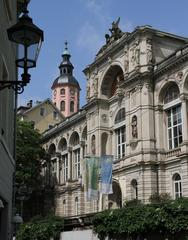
133	98
148	85
126	60
95	86
135	58
88	92
111	114
104	118
93	120
149	51
134	127
179	76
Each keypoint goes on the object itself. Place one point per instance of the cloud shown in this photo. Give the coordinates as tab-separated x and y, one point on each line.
126	25
91	35
89	38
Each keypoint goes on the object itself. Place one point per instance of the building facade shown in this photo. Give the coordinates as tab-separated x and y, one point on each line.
137	92
8	16
43	115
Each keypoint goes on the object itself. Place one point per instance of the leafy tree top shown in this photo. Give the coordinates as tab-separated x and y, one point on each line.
29	153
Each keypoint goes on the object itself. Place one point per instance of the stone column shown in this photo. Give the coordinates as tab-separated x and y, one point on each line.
57	170
69	162
184	125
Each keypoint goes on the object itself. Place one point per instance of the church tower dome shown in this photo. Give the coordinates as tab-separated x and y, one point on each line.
65	88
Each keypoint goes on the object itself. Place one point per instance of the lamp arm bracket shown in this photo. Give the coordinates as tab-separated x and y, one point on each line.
17	86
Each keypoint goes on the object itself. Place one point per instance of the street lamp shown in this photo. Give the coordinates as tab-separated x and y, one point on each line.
29	38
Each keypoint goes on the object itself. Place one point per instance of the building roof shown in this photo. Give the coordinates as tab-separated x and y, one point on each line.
39	105
66	71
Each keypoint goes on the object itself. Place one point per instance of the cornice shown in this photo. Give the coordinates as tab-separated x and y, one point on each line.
174	60
66	123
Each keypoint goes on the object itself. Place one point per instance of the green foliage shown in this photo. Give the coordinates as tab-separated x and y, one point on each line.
158	198
131	203
168	218
29	153
41	228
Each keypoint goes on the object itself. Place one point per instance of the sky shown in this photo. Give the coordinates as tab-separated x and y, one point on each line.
84	23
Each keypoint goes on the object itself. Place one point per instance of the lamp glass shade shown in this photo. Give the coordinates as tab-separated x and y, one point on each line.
27	56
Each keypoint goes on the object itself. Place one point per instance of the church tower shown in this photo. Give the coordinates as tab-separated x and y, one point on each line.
65	88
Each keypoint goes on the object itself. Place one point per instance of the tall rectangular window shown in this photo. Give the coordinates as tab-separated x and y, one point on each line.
76	162
65	167
174	127
121	142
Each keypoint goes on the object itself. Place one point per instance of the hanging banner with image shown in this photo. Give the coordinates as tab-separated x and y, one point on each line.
91	178
106	174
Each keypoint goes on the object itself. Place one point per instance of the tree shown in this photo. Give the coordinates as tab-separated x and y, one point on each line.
28	164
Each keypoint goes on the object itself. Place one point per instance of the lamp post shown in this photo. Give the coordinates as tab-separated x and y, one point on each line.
29	38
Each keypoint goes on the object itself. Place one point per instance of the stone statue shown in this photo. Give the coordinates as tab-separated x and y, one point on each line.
95	86
149	51
115	30
134	127
126	61
88	92
135	59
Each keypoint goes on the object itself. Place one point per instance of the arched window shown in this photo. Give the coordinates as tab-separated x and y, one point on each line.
120	116
76	206
62	91
172	107
172	93
177	185
134	189
120	133
62	145
71	106
52	149
62	105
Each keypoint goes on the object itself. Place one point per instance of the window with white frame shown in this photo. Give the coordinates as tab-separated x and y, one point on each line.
120	142
120	133
76	163
177	185
174	127
65	167
172	107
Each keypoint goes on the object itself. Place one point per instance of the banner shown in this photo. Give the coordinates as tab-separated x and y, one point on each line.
106	174
91	177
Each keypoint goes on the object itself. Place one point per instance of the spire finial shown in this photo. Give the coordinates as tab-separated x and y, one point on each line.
66	43
66	52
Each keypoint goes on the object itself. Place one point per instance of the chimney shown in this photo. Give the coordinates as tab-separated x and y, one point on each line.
30	104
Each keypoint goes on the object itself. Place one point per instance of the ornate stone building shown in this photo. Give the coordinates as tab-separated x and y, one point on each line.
137	92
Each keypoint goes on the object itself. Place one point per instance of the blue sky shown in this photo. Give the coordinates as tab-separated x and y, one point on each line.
83	23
